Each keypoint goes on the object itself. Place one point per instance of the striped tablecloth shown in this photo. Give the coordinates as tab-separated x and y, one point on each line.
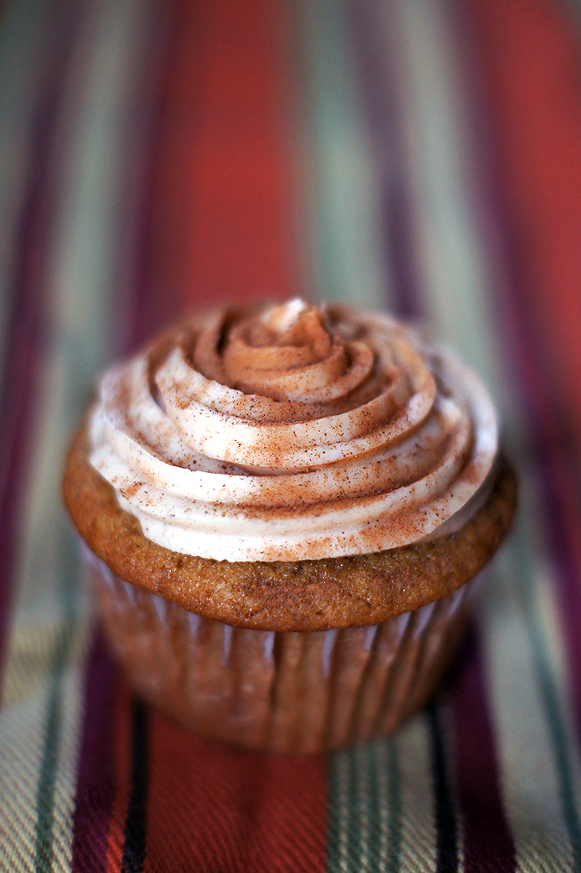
420	155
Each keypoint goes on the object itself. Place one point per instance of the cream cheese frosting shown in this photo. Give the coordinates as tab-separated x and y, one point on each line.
290	432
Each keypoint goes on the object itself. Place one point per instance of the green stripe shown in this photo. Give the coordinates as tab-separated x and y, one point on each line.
394	821
23	54
48	770
339	813
547	681
385	804
359	792
346	197
365	809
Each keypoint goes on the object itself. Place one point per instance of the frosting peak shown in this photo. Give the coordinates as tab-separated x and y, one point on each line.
290	432
284	352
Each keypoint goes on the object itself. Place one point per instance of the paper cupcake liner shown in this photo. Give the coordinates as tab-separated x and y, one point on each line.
279	691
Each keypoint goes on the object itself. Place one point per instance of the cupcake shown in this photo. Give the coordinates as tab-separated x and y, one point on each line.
286	508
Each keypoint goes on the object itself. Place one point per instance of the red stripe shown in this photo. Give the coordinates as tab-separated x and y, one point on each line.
220	226
219	229
215	808
531	58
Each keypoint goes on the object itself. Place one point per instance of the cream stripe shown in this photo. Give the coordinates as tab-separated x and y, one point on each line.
458	245
455	277
22	746
530	786
84	268
418	849
346	198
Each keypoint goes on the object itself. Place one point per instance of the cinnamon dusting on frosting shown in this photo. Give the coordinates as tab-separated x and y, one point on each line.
292	432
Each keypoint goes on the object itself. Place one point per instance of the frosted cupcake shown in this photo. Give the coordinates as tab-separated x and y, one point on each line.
286	509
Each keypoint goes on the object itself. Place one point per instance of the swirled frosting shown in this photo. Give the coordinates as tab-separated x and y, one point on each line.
292	432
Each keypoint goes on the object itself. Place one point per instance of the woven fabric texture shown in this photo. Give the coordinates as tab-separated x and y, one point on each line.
421	156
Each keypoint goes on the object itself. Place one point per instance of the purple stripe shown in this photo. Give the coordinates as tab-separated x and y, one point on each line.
97	775
25	331
141	304
147	315
488	843
96	779
377	71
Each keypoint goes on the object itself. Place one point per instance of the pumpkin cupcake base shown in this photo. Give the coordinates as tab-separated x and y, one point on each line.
279	691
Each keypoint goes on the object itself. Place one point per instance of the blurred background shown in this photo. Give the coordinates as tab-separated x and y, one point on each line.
420	156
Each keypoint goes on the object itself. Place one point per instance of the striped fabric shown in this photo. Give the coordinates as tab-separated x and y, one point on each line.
418	155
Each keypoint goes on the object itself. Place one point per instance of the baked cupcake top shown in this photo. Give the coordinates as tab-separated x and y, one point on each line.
292	433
